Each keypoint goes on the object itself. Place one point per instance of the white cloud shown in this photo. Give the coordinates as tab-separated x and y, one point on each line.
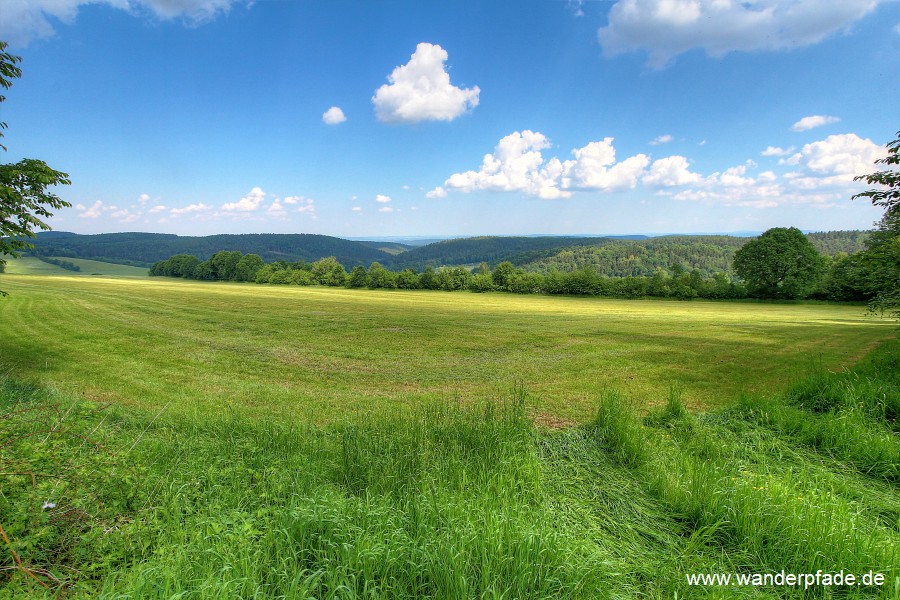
595	168
94	211
276	210
157	208
123	215
813	121
22	21
670	171
663	139
386	209
823	177
667	28
382	198
517	165
356	209
143	199
308	207
333	116
576	6
776	151
437	192
421	90
190	209
845	155
248	203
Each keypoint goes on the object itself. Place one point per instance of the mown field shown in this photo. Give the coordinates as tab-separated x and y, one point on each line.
163	439
29	265
319	354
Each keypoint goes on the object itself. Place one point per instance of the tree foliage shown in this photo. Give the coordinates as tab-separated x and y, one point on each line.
781	263
880	263
24	198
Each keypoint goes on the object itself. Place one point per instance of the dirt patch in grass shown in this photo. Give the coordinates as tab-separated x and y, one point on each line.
545	420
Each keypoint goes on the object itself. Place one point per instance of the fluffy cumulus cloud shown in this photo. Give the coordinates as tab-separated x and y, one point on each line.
421	90
813	121
669	172
517	165
821	174
333	116
24	20
248	203
382	198
836	159
667	28
663	139
94	211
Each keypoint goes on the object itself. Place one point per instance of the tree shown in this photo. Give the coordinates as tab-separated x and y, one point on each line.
781	263
247	267
503	274
328	271
24	199
358	277
880	263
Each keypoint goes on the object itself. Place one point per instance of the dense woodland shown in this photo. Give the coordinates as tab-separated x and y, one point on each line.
143	249
610	256
668	267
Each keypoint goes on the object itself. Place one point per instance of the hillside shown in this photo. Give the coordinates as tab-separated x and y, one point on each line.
143	249
709	254
610	256
490	249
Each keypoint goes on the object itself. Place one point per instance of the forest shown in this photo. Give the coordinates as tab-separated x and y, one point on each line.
667	267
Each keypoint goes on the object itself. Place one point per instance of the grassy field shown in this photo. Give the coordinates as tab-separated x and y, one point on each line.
28	265
321	354
161	438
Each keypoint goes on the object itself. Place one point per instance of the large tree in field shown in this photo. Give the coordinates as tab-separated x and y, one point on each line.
781	263
24	199
881	260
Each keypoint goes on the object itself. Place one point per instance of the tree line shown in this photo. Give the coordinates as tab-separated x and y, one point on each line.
808	275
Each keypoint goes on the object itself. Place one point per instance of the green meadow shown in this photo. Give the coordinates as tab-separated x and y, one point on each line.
170	439
29	265
319	354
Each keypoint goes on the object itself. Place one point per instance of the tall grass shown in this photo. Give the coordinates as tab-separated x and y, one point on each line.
456	500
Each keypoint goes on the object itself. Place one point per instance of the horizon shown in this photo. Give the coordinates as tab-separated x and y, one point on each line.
408	120
400	238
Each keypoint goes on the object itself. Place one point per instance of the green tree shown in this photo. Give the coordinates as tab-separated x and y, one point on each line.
502	274
225	264
407	279
328	271
781	263
482	282
24	199
358	277
880	262
247	267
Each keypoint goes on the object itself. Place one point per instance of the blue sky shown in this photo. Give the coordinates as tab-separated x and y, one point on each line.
397	118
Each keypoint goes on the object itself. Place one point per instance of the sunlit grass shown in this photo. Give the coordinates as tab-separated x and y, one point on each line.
164	439
29	265
321	354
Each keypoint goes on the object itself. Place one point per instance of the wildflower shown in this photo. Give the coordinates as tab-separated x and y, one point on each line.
48	504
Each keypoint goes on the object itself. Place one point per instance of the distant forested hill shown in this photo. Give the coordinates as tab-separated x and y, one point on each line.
143	249
709	254
489	249
610	256
632	258
832	242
